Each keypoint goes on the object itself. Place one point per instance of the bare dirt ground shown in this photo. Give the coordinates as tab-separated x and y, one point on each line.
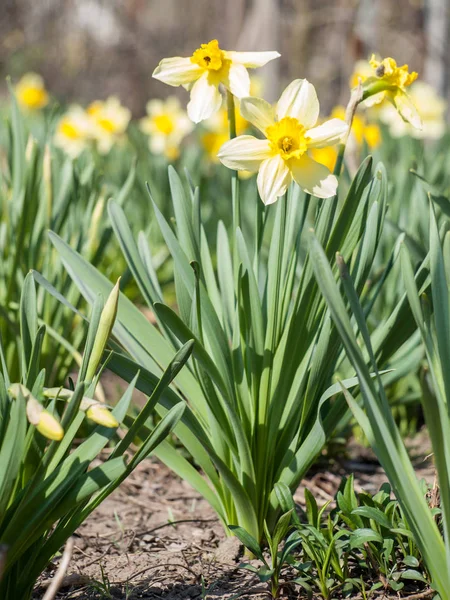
157	539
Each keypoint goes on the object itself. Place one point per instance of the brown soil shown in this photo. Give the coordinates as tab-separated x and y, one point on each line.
157	539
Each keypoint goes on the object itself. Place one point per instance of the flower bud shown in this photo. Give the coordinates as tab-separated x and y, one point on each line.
49	426
42	419
105	326
101	415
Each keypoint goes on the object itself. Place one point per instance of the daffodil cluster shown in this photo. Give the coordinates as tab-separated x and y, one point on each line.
103	123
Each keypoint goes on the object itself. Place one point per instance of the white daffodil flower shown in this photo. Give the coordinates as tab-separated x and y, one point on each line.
290	133
205	70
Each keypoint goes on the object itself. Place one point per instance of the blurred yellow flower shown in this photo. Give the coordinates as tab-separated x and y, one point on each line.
73	131
389	81
31	93
361	71
166	124
361	130
291	133
110	120
431	108
325	156
207	68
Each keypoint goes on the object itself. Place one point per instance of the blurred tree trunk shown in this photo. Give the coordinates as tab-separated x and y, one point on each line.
437	46
259	32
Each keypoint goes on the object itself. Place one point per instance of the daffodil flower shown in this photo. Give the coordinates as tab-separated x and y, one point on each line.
290	134
74	131
205	70
166	124
31	93
390	81
110	120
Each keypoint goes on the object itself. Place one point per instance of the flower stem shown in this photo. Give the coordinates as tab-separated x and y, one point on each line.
234	178
355	98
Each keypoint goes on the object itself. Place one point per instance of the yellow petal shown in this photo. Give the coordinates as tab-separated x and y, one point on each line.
273	179
244	153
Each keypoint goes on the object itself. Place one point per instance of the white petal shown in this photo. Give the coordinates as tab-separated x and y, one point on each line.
252	60
205	99
407	110
259	112
313	177
273	179
177	71
244	153
329	133
238	81
299	100
373	100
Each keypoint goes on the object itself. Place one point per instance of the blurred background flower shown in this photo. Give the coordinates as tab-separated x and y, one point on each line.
73	131
166	124
109	122
31	93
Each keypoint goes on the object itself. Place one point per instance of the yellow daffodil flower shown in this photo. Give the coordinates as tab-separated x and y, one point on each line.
431	108
166	124
205	70
290	136
361	130
110	120
217	132
74	131
31	93
389	82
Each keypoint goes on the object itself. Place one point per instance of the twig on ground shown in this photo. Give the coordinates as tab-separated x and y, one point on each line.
61	571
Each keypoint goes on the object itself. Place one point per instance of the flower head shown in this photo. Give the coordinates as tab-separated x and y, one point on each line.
290	134
207	68
73	131
31	93
389	81
110	120
166	124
